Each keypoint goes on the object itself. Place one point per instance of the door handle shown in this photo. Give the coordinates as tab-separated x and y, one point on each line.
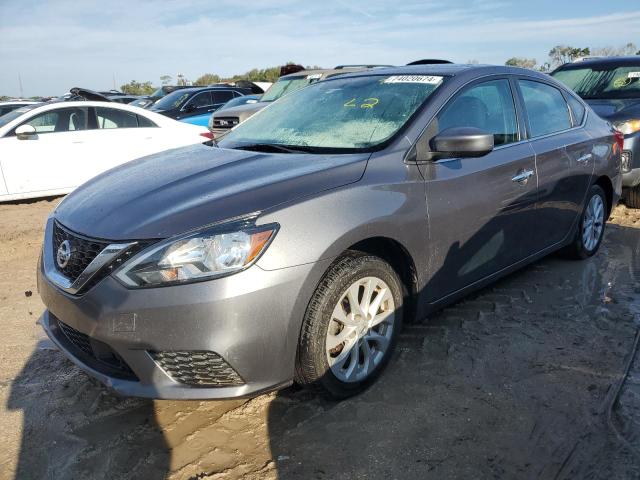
523	177
584	158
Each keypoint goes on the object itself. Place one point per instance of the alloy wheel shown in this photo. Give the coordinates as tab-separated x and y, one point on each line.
593	222
360	329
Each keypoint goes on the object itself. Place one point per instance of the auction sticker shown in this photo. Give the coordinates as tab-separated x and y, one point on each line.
633	75
429	79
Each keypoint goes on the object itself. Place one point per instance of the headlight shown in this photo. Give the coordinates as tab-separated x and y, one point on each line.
198	256
628	127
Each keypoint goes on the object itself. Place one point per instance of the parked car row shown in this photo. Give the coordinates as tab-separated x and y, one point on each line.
611	86
294	248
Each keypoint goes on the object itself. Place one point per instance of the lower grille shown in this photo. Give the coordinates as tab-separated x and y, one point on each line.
97	355
198	368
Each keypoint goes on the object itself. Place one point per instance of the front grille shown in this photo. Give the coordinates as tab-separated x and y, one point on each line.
83	251
198	368
225	122
98	355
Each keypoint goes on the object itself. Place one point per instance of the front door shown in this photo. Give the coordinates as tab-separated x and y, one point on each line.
480	210
49	160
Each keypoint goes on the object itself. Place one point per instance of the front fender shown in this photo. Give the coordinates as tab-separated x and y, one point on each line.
387	202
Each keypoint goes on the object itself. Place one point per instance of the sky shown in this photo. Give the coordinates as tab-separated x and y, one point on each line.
53	45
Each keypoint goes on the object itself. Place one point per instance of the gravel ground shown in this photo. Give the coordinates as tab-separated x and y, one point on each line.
525	379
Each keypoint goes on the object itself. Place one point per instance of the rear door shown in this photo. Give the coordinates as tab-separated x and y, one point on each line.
564	159
49	160
480	209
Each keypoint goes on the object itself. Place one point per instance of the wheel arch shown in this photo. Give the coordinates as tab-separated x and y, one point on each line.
605	183
398	256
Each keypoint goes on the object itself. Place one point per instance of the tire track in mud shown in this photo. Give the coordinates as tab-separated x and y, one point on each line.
512	382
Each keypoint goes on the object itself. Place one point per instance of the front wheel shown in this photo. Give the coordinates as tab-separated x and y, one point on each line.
591	228
350	327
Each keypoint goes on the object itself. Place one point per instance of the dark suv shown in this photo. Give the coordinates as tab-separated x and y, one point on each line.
611	86
188	102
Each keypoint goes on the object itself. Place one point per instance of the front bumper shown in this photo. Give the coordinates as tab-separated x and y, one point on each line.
251	320
631	175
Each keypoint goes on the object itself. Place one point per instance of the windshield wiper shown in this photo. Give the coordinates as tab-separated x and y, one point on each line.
274	147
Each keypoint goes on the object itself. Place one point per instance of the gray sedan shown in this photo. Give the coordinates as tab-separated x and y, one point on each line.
295	250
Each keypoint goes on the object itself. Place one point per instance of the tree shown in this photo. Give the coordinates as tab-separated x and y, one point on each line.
628	49
165	79
137	88
521	62
561	54
207	79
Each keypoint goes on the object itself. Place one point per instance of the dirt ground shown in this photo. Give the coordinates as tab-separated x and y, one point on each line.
526	379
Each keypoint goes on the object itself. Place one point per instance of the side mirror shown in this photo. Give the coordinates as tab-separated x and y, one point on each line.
461	142
189	107
25	132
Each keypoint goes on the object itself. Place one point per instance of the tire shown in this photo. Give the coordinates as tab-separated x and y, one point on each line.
632	197
360	350
595	214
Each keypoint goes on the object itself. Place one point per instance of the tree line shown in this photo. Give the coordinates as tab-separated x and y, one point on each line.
561	54
269	74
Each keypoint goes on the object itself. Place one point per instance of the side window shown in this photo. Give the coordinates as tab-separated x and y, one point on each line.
115	118
222	97
144	122
577	109
547	111
488	106
60	120
201	100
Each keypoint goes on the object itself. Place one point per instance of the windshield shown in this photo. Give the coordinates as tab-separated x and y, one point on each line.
356	113
12	115
173	100
288	85
602	82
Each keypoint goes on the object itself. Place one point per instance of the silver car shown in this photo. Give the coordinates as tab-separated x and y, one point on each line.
296	248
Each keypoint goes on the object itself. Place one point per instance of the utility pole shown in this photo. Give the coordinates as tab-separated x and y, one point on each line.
20	83
114	81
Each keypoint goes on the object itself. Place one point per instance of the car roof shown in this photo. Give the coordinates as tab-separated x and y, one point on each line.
602	62
19	102
214	87
452	70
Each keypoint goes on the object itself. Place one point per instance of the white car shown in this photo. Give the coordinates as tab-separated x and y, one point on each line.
52	148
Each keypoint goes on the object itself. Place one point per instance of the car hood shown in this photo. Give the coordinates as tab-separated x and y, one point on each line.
616	109
179	190
241	111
